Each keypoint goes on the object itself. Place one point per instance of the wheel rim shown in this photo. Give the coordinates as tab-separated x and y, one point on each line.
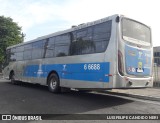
12	78
53	83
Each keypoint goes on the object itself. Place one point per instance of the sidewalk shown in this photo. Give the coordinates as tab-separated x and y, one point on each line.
142	93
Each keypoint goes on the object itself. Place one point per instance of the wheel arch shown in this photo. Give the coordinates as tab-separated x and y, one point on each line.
51	72
11	72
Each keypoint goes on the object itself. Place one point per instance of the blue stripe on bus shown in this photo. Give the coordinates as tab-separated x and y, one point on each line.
80	71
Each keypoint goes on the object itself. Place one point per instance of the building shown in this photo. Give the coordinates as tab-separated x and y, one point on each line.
156	51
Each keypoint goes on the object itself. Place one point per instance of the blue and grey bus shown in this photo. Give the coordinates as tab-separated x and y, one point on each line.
113	52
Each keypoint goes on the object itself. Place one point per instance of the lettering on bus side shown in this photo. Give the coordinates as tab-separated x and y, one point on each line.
92	66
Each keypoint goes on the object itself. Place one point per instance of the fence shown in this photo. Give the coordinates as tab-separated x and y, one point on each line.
156	75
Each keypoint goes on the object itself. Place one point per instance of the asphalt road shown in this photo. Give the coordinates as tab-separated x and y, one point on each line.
35	99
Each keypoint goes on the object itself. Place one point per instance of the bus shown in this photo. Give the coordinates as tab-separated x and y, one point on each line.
113	52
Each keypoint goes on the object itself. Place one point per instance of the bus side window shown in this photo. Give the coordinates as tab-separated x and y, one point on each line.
45	47
19	56
83	43
62	45
19	53
37	49
13	54
49	48
101	36
27	51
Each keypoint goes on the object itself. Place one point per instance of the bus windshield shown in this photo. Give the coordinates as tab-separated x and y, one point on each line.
135	32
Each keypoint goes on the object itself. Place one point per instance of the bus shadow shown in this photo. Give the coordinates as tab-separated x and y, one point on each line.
72	102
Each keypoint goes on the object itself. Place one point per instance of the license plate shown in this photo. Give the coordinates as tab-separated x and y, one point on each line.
139	70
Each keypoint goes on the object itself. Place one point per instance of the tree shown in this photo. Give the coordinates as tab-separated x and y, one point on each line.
10	34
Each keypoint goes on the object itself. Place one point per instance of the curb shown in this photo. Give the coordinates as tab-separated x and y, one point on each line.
133	95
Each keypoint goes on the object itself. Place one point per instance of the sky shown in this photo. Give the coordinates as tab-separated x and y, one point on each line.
42	17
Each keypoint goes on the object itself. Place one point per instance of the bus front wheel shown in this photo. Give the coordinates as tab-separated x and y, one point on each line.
13	81
53	83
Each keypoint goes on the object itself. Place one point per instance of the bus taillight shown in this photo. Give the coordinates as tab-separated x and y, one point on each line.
120	63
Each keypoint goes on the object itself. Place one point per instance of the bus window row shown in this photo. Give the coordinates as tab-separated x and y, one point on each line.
93	39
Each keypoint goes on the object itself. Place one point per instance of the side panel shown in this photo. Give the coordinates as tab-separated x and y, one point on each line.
33	72
87	72
19	70
111	55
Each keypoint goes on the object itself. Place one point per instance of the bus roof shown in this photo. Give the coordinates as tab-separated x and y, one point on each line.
80	26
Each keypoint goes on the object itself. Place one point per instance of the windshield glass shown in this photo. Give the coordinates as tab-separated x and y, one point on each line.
135	32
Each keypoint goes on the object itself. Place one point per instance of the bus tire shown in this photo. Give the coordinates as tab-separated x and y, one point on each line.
54	83
12	77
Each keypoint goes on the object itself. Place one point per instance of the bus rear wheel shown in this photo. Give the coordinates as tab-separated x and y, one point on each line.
54	83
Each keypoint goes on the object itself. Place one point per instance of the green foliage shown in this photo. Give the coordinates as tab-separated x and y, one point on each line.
10	34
